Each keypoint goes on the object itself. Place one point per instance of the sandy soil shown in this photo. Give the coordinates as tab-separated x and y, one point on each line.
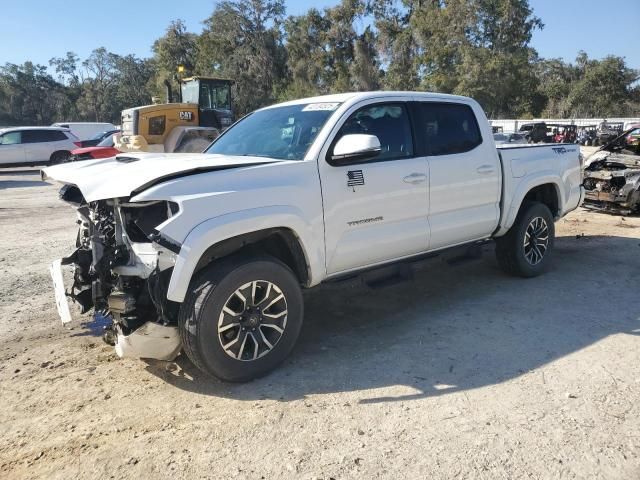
462	373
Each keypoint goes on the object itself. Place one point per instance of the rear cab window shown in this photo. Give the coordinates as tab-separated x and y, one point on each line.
446	128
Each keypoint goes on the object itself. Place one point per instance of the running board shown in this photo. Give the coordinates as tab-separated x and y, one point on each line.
403	270
388	276
474	252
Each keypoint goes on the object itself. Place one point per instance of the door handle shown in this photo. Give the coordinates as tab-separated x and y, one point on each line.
415	178
485	169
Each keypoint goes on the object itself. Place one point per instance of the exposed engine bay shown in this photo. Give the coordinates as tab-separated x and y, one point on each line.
121	269
612	179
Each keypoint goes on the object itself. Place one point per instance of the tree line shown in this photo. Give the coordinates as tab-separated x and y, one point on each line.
479	48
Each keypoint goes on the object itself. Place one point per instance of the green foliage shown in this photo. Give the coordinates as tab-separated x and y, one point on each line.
603	88
29	94
176	47
479	48
325	53
242	40
396	43
307	59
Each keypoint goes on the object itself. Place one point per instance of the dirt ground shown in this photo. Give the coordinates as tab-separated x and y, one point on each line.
462	373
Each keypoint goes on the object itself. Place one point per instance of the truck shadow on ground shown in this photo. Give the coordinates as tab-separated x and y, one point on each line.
448	330
20	183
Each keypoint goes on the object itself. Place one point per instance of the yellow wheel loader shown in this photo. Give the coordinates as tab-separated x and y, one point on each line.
202	112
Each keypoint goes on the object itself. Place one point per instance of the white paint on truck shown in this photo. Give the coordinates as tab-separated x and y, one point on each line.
380	177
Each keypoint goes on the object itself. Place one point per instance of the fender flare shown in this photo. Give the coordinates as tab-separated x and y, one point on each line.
215	230
511	211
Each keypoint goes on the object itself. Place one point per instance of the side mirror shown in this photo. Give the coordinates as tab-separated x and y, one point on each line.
356	147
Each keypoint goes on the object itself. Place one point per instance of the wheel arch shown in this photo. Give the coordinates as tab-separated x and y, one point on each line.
547	194
279	242
57	152
277	232
545	190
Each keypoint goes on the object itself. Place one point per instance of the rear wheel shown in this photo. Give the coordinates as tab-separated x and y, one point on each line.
524	251
241	317
60	157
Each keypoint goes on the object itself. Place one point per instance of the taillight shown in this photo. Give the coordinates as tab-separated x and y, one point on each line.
78	144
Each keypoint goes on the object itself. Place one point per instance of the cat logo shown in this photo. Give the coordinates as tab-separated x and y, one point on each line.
188	116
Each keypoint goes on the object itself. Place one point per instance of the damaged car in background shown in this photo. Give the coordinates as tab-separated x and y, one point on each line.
612	176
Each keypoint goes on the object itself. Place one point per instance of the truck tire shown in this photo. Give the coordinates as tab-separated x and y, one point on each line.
525	249
241	317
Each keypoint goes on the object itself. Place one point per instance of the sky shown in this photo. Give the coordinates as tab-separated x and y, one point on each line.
38	30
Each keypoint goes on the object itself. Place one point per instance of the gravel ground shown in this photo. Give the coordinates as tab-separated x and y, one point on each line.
462	373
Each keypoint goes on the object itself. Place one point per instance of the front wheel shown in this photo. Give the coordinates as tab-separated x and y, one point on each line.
241	317
525	249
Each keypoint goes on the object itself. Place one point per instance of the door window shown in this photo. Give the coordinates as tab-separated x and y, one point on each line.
157	125
387	121
447	128
11	138
41	136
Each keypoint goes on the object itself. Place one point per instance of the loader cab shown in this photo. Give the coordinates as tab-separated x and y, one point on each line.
213	97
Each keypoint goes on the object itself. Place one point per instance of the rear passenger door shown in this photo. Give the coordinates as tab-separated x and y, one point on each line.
41	144
35	145
464	173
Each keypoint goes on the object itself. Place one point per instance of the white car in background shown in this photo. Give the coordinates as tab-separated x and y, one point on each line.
86	130
36	145
509	138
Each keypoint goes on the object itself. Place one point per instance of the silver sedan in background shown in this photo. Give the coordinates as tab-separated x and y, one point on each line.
503	138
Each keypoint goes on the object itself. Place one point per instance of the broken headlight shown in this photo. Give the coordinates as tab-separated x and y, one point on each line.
141	219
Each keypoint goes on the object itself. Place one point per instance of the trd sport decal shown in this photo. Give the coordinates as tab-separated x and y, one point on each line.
355	177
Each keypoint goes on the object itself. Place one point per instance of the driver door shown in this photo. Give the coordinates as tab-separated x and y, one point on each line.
375	210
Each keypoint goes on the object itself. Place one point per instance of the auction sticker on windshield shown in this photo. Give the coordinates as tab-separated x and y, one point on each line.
314	107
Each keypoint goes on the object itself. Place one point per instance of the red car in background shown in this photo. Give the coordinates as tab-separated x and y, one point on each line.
104	149
565	133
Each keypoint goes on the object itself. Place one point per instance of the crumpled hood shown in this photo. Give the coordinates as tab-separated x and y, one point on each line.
130	173
631	161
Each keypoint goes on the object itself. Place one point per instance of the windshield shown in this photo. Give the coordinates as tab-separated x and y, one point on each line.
107	142
284	133
190	92
207	94
212	96
98	136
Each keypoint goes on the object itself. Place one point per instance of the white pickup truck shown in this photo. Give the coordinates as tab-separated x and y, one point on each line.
208	253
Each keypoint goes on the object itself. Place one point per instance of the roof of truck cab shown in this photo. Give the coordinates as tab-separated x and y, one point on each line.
344	97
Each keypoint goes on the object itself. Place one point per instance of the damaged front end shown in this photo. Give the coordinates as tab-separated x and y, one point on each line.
612	177
121	269
612	183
